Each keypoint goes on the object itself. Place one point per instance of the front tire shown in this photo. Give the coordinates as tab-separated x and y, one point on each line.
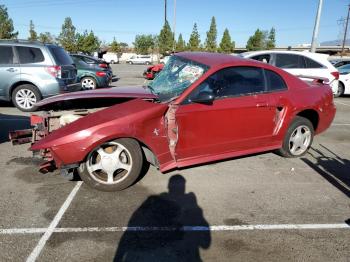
88	83
113	166
298	138
25	96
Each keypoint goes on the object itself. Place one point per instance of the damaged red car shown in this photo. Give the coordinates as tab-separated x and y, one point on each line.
202	107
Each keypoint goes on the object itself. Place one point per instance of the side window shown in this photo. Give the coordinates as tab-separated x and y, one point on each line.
311	63
289	61
6	57
28	55
233	81
262	58
274	81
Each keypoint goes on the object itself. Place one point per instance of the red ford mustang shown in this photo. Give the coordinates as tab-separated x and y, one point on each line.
202	107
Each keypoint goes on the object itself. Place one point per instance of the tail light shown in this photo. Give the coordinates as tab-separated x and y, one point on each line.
55	71
335	74
103	65
100	74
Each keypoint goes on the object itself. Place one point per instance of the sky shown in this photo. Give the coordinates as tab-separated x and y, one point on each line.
293	19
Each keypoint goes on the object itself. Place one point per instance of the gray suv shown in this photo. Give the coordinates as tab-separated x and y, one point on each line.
31	71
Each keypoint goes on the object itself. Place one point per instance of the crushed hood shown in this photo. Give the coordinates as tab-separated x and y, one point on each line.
115	92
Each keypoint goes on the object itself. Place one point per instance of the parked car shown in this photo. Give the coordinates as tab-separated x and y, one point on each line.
111	58
92	76
344	80
140	59
31	71
299	64
202	107
93	61
341	63
152	71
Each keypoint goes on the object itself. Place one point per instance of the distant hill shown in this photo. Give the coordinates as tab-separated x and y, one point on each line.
335	43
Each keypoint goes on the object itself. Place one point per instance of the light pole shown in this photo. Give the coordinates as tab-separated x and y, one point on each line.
346	30
317	26
174	42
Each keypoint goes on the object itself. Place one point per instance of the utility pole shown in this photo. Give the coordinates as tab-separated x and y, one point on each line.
317	26
346	30
174	44
165	11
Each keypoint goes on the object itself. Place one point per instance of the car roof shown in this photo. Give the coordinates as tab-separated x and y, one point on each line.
213	59
303	53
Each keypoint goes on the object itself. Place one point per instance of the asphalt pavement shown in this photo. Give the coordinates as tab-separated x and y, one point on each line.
254	208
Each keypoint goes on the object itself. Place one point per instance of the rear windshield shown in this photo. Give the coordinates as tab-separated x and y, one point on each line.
60	56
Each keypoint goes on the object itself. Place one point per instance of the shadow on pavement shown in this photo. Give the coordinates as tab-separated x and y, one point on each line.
10	123
169	212
331	167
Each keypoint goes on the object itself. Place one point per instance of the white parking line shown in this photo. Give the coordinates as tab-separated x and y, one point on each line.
341	103
184	228
36	252
340	124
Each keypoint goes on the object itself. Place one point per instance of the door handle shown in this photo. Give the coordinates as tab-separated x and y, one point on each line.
11	70
262	104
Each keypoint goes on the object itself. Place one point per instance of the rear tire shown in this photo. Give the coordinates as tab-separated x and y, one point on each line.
25	96
341	90
298	138
113	166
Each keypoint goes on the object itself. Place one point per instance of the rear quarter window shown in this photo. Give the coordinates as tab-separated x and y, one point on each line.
312	64
274	81
61	57
29	55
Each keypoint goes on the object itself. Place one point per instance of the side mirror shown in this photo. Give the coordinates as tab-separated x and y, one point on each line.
205	97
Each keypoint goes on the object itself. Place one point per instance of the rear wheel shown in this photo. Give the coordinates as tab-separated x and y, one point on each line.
341	89
298	138
25	96
88	83
113	166
112	62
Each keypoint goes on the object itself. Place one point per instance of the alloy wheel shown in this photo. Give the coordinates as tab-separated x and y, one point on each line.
109	164
25	98
300	140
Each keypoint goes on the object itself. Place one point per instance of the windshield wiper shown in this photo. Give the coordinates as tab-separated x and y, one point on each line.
151	89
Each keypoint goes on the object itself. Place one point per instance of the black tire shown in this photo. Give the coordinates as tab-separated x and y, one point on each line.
130	63
148	63
137	160
26	88
341	90
296	123
89	79
112	62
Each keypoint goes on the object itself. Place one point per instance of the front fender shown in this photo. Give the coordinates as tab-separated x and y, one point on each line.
134	119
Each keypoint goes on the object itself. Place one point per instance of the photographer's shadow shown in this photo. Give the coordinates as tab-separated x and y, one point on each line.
161	229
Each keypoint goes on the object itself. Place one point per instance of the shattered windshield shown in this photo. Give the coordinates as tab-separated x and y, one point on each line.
178	74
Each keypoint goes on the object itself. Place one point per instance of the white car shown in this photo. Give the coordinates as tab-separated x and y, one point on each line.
111	58
344	80
140	59
299	64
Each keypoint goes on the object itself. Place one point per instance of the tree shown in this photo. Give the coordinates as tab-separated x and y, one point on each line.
144	44
226	45
115	46
210	42
33	36
68	37
6	25
256	42
271	39
180	45
194	42
46	38
87	43
124	47
165	39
